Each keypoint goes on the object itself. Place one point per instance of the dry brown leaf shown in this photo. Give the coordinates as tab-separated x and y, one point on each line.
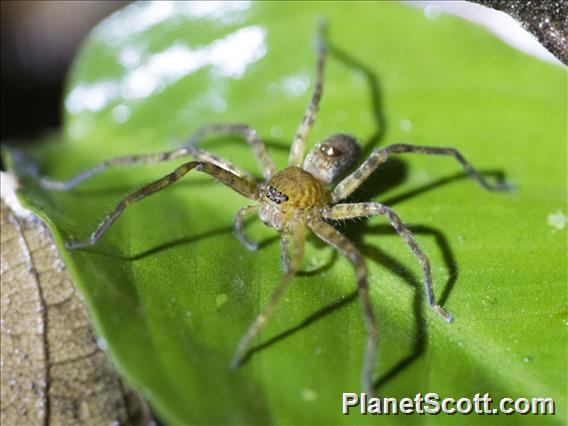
52	371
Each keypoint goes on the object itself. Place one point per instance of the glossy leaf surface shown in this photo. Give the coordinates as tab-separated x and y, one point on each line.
170	288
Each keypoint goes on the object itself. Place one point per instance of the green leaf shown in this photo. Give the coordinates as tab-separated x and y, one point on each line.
171	290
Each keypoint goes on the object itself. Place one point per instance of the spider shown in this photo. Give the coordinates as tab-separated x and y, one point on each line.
306	194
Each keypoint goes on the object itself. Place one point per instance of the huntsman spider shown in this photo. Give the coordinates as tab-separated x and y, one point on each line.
306	194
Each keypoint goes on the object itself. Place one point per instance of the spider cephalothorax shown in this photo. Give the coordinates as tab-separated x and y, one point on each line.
300	196
290	193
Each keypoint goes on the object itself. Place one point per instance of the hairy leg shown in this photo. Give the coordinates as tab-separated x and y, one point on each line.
298	234
207	157
189	149
285	258
348	185
245	187
130	160
333	237
126	160
352	211
240	229
249	134
296	157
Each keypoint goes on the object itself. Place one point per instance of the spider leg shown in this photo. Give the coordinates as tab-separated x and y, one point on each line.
348	185
296	157
51	184
355	210
189	149
334	238
207	157
129	160
240	229
298	233
249	134
285	258
245	187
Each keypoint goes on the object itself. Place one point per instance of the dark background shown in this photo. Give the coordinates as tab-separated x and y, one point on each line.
38	42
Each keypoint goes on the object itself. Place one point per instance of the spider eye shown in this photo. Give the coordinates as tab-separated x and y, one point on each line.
275	195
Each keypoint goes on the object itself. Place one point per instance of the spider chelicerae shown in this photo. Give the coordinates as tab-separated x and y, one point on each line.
306	194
